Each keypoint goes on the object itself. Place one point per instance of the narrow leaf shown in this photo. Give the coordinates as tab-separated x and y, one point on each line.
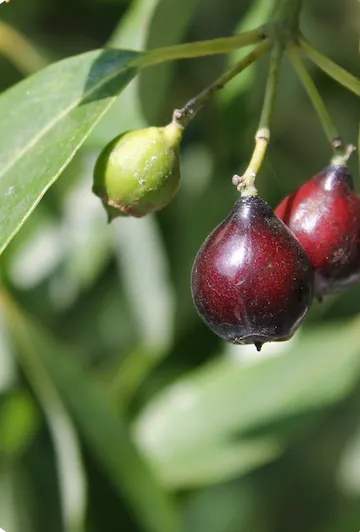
227	397
45	119
256	15
210	465
133	27
168	25
102	428
71	474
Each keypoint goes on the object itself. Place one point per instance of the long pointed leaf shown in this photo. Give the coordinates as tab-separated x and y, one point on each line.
226	460
102	428
44	121
227	398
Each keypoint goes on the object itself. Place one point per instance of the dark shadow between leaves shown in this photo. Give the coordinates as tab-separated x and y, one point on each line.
110	72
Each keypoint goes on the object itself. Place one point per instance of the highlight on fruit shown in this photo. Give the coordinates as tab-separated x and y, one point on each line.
138	172
252	281
255	276
324	215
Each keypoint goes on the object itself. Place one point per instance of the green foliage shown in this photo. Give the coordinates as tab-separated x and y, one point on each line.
50	115
118	409
103	430
154	83
18	423
174	429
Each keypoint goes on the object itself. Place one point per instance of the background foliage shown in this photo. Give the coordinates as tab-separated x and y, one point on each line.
119	410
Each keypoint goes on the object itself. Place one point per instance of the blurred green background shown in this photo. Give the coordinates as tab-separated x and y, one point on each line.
119	410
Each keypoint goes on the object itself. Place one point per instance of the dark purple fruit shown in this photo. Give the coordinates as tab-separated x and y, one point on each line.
252	281
324	215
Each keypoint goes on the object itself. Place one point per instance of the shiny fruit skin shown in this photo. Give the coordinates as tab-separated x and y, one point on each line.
324	214
251	280
138	172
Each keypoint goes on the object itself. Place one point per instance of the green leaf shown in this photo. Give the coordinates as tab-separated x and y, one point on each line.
101	427
45	119
223	508
15	517
139	242
80	233
135	242
228	398
168	25
256	15
18	423
213	464
146	23
71	474
130	32
133	27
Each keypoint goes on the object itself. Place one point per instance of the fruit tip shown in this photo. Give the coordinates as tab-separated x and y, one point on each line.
110	216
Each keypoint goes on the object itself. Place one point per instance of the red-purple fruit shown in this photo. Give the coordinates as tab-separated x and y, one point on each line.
324	214
251	280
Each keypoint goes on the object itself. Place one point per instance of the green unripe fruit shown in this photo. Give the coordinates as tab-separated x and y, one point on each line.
139	171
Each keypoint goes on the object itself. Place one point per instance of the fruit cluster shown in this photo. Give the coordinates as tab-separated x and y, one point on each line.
255	275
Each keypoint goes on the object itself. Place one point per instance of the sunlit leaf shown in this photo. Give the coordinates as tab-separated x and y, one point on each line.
227	398
45	119
209	465
15	517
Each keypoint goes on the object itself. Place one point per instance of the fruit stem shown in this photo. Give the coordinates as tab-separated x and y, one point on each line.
285	20
201	48
317	101
246	183
339	159
333	70
183	116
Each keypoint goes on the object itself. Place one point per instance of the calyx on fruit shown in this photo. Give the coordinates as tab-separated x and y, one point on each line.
252	281
138	172
324	214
